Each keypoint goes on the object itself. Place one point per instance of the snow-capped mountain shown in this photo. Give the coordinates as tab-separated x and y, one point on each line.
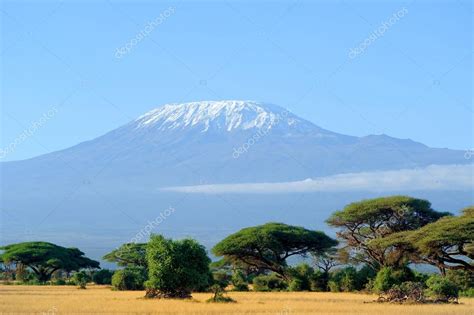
225	142
230	116
100	184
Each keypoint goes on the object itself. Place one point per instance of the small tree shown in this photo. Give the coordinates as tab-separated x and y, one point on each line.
81	278
176	268
129	278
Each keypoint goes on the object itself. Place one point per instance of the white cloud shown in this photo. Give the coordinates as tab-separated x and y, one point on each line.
434	177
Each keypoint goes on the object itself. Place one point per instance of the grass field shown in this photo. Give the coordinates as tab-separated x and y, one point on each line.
101	300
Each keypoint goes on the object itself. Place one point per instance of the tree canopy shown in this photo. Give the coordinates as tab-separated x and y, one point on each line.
361	222
128	255
447	243
176	268
268	246
45	258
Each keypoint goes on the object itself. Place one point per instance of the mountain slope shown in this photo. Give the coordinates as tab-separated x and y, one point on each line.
223	142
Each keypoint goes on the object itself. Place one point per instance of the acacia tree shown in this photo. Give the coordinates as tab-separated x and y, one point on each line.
176	268
45	258
447	243
361	222
268	246
128	255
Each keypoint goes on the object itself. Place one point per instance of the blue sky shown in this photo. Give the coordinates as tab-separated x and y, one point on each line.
59	59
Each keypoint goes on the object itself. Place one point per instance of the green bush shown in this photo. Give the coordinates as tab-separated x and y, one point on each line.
387	277
81	278
462	278
129	278
301	278
176	268
103	276
467	293
58	282
271	282
239	282
319	281
347	280
442	289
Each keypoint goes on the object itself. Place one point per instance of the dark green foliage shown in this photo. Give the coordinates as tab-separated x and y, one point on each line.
442	289
319	281
81	278
239	281
59	282
271	282
387	277
301	276
446	243
103	276
268	246
45	258
176	268
128	255
362	222
462	278
221	278
129	278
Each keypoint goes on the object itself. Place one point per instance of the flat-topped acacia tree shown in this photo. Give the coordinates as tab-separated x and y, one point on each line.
360	223
268	246
44	258
447	243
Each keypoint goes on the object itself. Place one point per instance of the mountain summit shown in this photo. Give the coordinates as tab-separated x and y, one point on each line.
228	116
227	141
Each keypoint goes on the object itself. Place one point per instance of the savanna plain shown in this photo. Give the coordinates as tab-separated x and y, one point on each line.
96	299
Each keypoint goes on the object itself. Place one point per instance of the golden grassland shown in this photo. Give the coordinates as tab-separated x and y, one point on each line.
51	300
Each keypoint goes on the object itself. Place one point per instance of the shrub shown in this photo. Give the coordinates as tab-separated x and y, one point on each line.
176	268
406	292
219	295
269	282
103	276
467	293
81	278
129	278
343	280
442	289
319	281
301	277
387	277
58	282
221	278
462	278
239	282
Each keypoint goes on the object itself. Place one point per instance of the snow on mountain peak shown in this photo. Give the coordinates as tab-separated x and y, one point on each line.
228	115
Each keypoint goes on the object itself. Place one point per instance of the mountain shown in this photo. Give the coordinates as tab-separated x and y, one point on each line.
221	142
96	184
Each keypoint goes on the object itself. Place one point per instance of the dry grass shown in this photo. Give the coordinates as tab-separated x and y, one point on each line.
101	300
